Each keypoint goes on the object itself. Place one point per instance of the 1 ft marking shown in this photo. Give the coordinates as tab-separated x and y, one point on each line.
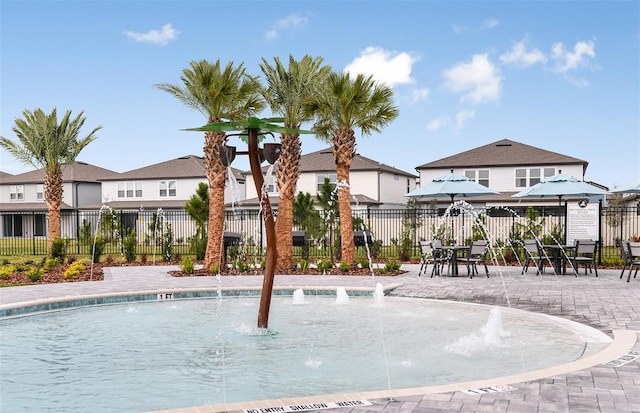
165	296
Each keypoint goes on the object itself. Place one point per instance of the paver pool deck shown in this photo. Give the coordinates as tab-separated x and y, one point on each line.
606	303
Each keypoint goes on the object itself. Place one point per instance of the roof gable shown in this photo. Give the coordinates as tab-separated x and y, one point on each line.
504	152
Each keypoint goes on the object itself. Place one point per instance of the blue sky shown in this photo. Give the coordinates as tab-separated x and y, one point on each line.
559	75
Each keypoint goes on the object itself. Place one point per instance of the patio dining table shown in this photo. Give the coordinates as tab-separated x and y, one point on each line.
560	255
454	252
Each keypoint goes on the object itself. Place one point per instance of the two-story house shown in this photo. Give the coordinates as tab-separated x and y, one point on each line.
167	185
22	198
507	167
372	184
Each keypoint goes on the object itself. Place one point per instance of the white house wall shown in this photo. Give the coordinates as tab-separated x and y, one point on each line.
501	179
185	189
393	187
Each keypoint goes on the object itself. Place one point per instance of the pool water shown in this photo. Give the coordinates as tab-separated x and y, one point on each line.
161	355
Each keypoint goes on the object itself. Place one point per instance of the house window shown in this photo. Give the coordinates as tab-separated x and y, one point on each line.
408	185
521	178
480	176
40	191
534	176
483	177
167	188
130	189
333	180
549	172
16	192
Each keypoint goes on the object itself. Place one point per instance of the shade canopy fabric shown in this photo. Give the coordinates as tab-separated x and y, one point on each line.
632	188
560	185
451	185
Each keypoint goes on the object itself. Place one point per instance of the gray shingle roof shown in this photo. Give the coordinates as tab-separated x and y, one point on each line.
322	161
73	172
504	152
189	166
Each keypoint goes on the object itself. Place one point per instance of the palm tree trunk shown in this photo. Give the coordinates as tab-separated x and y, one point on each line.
53	196
215	172
346	224
287	174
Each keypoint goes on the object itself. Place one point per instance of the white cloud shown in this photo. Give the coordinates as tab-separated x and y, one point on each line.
463	117
419	94
479	80
387	67
438	123
520	56
489	23
571	59
486	24
161	37
290	22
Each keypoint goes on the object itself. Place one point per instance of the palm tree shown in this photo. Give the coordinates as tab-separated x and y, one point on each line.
218	93
343	105
286	89
46	144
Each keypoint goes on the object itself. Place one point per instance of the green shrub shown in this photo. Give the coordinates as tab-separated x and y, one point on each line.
74	269
167	244
214	269
5	261
187	265
365	264
324	265
345	266
34	274
303	265
97	249
198	246
391	265
50	264
129	244
58	249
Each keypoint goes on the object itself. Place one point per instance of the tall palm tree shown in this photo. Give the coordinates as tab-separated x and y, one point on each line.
285	91
218	93
343	105
46	144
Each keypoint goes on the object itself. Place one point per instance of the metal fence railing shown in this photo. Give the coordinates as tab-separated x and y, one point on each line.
24	232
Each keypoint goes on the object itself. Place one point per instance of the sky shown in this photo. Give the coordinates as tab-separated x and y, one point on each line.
563	76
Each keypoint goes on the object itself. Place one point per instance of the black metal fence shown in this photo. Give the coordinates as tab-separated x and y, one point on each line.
24	232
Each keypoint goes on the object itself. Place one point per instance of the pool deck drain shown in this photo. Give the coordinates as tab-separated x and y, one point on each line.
610	383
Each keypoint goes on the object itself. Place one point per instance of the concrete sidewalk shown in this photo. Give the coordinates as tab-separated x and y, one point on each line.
605	303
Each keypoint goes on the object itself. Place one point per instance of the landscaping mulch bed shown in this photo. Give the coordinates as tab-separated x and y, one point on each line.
56	275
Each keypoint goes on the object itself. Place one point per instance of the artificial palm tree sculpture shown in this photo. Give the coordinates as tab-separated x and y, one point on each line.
253	128
286	89
46	144
343	105
218	93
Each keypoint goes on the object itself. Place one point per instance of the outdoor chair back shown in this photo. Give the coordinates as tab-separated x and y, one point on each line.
534	254
625	254
477	254
585	253
634	254
426	254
